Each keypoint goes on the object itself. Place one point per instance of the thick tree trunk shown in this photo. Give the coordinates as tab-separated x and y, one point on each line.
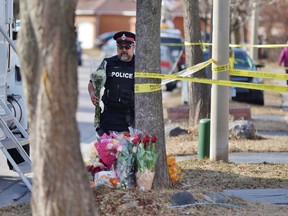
199	94
48	59
148	106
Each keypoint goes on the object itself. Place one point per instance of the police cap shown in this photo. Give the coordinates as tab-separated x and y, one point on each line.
124	37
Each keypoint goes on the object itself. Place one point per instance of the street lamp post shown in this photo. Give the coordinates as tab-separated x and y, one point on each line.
220	94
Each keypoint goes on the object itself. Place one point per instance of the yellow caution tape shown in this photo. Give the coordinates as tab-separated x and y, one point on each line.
147	87
186	43
195	44
221	68
259	74
259	45
234	72
150	87
182	75
194	68
255	86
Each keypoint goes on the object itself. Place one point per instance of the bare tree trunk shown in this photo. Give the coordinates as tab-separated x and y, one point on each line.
199	94
48	57
148	106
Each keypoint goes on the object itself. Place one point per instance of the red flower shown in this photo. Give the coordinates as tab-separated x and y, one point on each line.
146	139
135	141
96	169
153	139
93	170
125	134
89	168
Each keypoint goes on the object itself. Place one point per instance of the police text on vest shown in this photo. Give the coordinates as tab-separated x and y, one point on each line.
122	75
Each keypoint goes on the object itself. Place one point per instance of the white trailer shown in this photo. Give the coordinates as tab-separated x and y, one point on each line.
14	138
11	86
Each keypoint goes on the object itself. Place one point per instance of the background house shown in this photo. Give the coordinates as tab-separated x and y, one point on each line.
94	17
99	16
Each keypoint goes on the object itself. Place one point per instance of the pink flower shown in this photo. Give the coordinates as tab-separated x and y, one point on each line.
107	155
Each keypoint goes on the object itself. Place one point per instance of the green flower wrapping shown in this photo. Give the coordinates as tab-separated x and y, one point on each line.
98	78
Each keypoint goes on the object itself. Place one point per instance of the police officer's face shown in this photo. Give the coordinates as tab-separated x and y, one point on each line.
125	51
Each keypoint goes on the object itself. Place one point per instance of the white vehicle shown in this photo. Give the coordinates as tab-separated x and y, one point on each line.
14	138
11	86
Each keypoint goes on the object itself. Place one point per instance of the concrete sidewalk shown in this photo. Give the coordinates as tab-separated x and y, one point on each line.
12	188
249	157
273	196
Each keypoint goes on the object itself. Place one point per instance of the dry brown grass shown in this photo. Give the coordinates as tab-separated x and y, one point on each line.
187	144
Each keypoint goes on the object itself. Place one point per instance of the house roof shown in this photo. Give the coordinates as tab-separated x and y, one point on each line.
107	7
126	7
88	7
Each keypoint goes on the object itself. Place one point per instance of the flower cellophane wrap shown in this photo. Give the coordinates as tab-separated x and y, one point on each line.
146	159
124	154
98	78
145	179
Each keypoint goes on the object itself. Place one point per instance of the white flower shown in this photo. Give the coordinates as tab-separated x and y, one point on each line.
109	146
134	150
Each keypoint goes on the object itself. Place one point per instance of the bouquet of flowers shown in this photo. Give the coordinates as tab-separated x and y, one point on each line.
174	169
98	78
125	164
120	155
102	167
146	158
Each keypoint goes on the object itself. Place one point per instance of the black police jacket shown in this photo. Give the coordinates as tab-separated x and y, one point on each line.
118	96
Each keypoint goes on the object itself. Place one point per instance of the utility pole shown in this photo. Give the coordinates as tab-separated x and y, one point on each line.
220	94
254	31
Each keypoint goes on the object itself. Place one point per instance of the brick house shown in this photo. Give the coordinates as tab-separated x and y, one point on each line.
94	17
98	16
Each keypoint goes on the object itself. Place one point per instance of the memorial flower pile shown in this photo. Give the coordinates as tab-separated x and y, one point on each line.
120	157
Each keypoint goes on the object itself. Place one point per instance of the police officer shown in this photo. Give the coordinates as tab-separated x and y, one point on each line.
118	97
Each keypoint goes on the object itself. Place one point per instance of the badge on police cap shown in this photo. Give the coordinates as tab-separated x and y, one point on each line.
124	37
